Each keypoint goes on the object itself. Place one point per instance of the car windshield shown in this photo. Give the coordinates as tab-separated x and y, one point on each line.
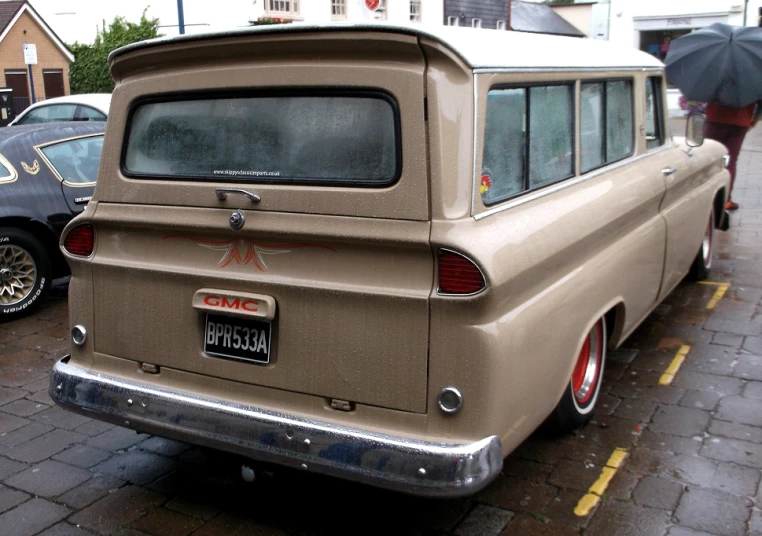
76	161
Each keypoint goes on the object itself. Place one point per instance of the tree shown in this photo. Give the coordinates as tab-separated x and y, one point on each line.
558	2
90	73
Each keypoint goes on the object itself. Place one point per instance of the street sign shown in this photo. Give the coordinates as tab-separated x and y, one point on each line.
30	54
372	4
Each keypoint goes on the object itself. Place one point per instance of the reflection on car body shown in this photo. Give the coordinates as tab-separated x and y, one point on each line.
47	176
448	237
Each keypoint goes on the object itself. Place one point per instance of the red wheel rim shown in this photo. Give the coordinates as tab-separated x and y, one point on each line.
587	370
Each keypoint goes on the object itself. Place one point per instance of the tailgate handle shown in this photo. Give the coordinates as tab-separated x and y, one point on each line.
222	194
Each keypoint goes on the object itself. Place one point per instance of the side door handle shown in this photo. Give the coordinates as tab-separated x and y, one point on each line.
669	171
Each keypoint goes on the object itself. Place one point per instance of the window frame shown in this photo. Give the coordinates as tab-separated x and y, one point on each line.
476	23
416	11
267	93
451	19
9	167
659	115
500	25
292	11
338	5
39	149
572	85
604	100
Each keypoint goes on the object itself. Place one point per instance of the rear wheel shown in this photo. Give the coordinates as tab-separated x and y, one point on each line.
24	273
702	264
578	401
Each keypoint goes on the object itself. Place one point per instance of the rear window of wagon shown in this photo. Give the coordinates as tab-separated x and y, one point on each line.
341	139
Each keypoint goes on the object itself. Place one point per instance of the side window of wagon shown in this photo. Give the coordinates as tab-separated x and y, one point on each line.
528	140
654	113
606	122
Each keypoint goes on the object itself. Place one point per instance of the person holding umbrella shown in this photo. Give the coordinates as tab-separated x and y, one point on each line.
721	65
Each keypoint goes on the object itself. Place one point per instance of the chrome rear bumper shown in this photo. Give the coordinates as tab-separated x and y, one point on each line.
393	462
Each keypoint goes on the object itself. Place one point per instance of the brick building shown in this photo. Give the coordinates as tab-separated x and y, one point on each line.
21	24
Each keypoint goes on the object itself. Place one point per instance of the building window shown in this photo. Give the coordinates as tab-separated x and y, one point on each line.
415	10
282	7
380	13
501	25
476	23
452	21
338	9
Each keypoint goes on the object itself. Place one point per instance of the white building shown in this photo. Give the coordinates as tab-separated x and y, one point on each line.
651	25
394	11
79	20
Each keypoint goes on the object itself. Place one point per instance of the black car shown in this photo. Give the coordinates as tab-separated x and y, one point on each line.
47	176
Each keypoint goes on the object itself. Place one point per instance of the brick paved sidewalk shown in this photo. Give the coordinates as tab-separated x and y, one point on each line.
693	447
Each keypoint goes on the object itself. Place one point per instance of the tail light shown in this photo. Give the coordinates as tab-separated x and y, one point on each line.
458	274
80	241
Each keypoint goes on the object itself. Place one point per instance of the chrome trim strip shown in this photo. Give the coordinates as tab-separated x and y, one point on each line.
12	170
581	69
475	134
569	183
411	466
472	261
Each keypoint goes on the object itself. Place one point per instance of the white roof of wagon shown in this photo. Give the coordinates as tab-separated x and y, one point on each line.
479	48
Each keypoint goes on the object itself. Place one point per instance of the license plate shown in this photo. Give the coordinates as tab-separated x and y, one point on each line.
242	339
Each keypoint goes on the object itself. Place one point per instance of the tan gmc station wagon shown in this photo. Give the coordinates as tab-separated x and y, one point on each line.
383	253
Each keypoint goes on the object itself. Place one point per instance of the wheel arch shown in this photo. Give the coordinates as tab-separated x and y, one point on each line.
615	318
719	208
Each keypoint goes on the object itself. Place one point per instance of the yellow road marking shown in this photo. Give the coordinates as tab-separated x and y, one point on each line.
722	288
594	493
674	366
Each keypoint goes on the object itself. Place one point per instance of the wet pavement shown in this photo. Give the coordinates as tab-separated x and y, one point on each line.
669	452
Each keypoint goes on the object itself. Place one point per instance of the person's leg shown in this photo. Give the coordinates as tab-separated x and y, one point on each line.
731	136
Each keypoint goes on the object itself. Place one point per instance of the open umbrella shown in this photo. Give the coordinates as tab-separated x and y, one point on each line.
719	63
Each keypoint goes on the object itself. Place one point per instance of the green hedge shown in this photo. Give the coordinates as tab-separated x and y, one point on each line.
89	73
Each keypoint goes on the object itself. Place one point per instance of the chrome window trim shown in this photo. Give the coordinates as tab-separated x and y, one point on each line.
12	170
52	168
475	134
488	70
569	183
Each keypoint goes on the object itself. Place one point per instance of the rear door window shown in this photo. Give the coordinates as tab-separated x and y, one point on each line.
329	139
86	113
75	161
